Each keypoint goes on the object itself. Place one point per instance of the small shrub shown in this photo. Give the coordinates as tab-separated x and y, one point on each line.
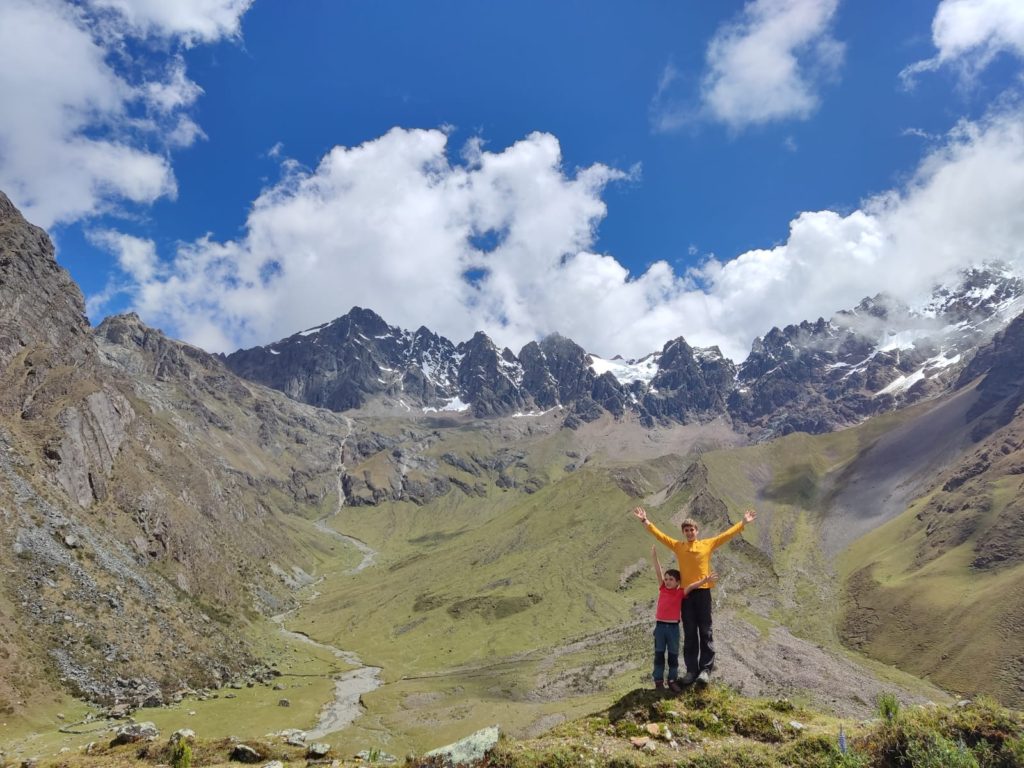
760	726
743	757
888	706
782	705
561	758
627	728
1014	751
181	757
708	722
820	751
935	751
815	751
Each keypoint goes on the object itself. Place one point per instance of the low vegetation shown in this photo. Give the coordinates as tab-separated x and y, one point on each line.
703	728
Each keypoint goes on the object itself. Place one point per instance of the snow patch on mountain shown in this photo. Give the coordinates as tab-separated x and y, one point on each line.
455	404
627	371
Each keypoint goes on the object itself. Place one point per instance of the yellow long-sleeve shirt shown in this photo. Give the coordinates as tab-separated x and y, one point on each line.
694	559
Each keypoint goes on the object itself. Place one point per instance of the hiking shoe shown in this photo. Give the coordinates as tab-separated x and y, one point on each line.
674	686
658	685
704	677
688	678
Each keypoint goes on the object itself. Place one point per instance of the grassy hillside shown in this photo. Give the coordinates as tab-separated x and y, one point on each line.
519	607
939	591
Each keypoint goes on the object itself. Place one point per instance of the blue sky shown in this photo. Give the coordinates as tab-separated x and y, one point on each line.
624	174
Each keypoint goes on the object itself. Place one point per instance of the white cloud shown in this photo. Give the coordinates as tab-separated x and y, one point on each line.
174	93
394	226
970	34
204	20
93	125
135	256
766	66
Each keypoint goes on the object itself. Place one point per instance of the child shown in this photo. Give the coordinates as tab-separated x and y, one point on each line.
694	558
666	618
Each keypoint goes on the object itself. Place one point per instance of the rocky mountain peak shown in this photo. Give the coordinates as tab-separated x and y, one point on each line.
39	302
812	376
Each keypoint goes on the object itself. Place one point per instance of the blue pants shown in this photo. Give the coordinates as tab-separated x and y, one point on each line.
666	642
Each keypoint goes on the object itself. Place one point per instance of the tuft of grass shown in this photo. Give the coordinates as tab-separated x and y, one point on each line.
181	757
888	706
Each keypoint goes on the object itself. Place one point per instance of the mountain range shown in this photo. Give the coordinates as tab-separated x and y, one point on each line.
813	377
458	514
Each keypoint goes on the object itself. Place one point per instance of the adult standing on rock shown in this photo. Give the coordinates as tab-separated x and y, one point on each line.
694	558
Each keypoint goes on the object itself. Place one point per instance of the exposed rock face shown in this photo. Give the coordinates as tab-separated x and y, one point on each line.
821	376
491	380
1002	390
340	364
93	434
690	384
811	377
136	471
40	305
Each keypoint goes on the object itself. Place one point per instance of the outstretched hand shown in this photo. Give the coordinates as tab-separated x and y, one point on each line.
750	516
640	513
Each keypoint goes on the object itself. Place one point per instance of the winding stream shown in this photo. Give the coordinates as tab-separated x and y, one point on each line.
351	685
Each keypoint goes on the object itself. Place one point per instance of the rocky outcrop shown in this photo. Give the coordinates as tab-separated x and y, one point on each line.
341	364
821	376
1001	392
93	434
40	305
134	471
691	384
490	380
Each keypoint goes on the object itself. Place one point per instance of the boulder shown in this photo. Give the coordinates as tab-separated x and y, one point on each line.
317	750
128	734
243	753
468	751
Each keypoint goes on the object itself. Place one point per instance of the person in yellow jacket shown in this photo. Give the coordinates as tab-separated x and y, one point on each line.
694	558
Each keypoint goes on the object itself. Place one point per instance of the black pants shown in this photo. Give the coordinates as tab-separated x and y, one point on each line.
698	640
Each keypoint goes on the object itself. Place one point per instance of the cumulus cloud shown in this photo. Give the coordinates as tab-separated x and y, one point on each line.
969	34
136	256
191	20
766	66
504	242
93	125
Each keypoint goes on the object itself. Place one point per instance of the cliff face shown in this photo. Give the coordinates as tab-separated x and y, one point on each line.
813	377
144	495
39	302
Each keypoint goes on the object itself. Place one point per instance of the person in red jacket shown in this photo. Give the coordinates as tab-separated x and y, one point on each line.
694	558
666	622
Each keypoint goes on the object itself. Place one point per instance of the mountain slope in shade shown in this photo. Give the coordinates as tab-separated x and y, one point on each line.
939	590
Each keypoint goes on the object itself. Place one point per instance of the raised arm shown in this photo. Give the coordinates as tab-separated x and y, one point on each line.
641	515
748	517
657	566
700	583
